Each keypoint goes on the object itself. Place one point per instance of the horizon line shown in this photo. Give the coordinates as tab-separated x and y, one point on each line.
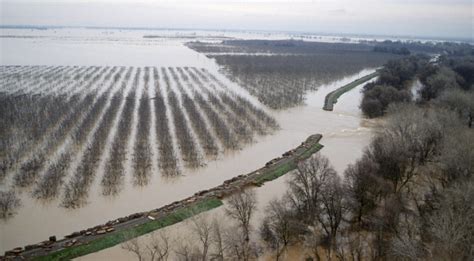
438	38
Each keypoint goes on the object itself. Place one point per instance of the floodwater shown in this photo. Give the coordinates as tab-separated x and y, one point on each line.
345	134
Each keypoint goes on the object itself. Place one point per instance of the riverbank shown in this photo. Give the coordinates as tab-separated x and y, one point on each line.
122	229
331	98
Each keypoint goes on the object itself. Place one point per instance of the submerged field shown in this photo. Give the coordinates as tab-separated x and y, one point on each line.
67	128
280	73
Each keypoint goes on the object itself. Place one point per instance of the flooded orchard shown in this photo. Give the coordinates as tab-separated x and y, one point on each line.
153	95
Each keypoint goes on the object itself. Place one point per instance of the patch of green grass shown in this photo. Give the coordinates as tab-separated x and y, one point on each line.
276	173
120	236
272	174
315	148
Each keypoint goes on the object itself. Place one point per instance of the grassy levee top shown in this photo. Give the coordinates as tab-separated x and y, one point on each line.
331	98
122	229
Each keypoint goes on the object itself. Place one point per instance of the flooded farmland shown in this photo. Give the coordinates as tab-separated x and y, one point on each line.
236	130
344	131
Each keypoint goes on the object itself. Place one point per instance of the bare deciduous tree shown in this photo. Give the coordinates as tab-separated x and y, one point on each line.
410	139
159	247
186	251
457	156
406	240
355	246
459	101
451	226
218	240
134	247
279	228
317	196
202	227
306	184
241	207
333	210
364	188
155	247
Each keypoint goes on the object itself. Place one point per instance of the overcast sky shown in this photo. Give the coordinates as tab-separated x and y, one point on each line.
445	18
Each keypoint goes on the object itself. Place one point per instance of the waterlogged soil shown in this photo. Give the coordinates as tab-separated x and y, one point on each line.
345	134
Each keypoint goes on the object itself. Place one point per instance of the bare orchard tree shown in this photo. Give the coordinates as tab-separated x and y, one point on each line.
9	202
241	207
